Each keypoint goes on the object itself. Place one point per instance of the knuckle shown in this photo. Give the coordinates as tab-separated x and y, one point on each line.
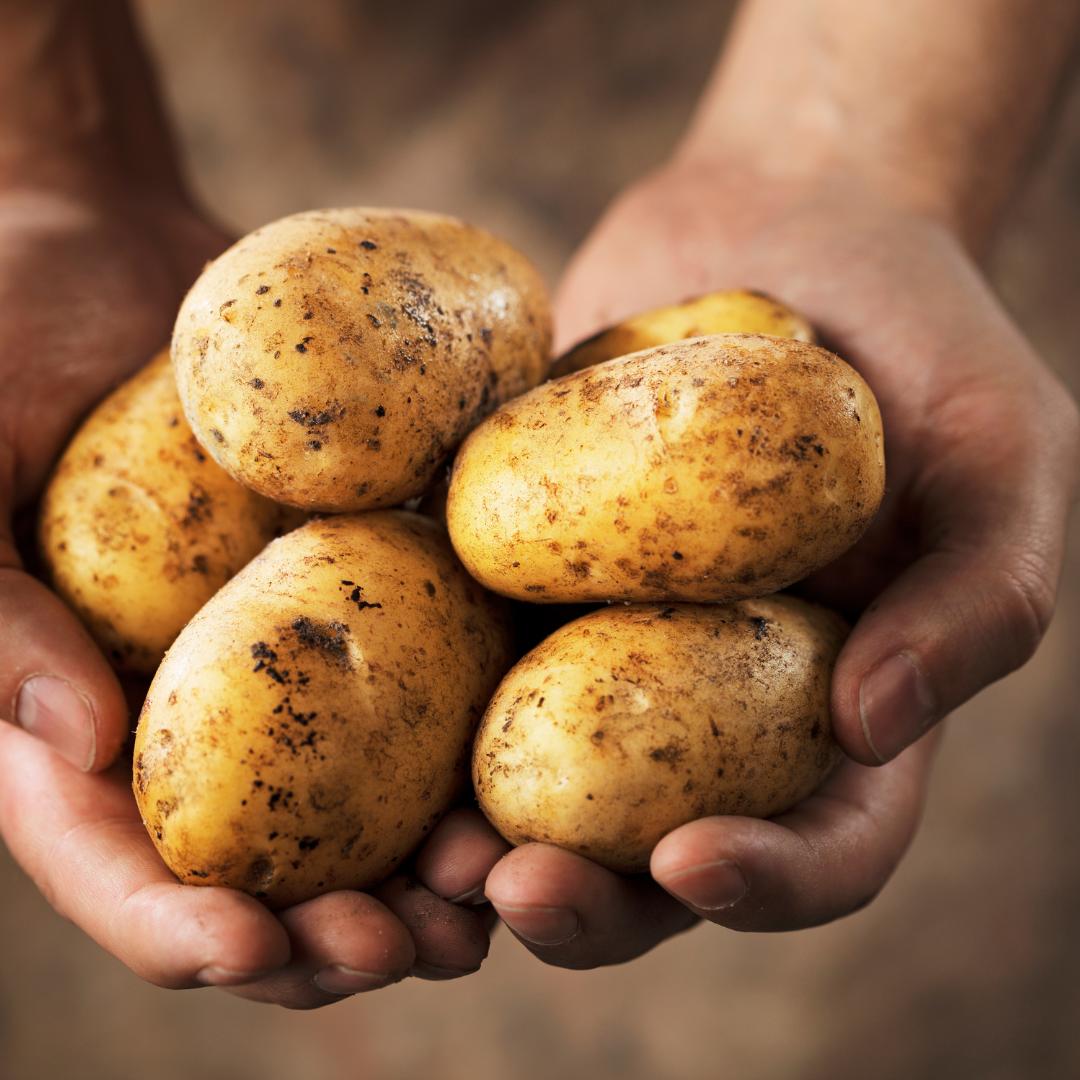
1025	597
1054	424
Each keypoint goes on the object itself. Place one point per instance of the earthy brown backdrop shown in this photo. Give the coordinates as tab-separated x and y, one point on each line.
526	117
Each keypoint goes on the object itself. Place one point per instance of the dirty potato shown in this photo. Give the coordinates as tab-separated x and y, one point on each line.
333	359
729	311
710	469
634	720
313	721
139	528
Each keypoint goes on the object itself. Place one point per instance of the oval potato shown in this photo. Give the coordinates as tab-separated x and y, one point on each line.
710	469
729	311
634	720
332	359
313	721
139	528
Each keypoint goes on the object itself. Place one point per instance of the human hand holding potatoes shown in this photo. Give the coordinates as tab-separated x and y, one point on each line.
140	527
958	607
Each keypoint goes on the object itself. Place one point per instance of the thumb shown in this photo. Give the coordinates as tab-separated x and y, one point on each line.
54	682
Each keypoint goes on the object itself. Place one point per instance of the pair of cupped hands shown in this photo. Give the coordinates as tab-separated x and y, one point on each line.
951	588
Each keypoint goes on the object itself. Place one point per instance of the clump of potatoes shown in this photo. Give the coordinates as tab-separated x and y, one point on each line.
322	684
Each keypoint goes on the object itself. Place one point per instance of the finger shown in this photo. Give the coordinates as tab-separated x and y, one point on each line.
976	604
824	859
54	682
450	940
342	943
80	840
459	855
573	913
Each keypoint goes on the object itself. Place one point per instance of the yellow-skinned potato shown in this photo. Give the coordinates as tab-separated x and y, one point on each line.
332	359
634	720
313	721
729	311
139	527
710	469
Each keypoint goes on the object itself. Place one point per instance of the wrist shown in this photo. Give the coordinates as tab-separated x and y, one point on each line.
934	109
805	162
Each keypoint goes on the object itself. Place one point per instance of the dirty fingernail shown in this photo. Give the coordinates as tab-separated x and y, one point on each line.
540	925
474	896
52	709
341	980
896	705
711	886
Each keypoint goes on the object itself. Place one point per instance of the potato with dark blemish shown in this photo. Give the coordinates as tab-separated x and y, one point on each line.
333	359
314	720
711	469
634	720
729	311
139	527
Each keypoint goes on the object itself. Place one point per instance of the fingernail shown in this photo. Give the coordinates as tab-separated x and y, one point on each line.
473	896
219	976
896	705
341	980
424	970
540	925
55	712
711	886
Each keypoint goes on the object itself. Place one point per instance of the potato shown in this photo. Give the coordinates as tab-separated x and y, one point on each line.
139	528
333	359
730	311
710	469
313	721
632	721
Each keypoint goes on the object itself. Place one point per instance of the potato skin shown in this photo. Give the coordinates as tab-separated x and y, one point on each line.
710	469
331	360
634	720
139	528
728	311
313	721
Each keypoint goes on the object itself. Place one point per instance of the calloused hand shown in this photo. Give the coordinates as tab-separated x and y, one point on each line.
90	281
952	587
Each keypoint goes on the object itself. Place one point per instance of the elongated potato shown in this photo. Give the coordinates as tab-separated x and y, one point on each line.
313	721
711	469
139	528
332	359
632	721
730	311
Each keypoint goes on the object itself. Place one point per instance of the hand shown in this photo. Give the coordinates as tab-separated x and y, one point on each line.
953	586
90	280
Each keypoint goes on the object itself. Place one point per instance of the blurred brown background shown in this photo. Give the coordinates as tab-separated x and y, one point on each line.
527	117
